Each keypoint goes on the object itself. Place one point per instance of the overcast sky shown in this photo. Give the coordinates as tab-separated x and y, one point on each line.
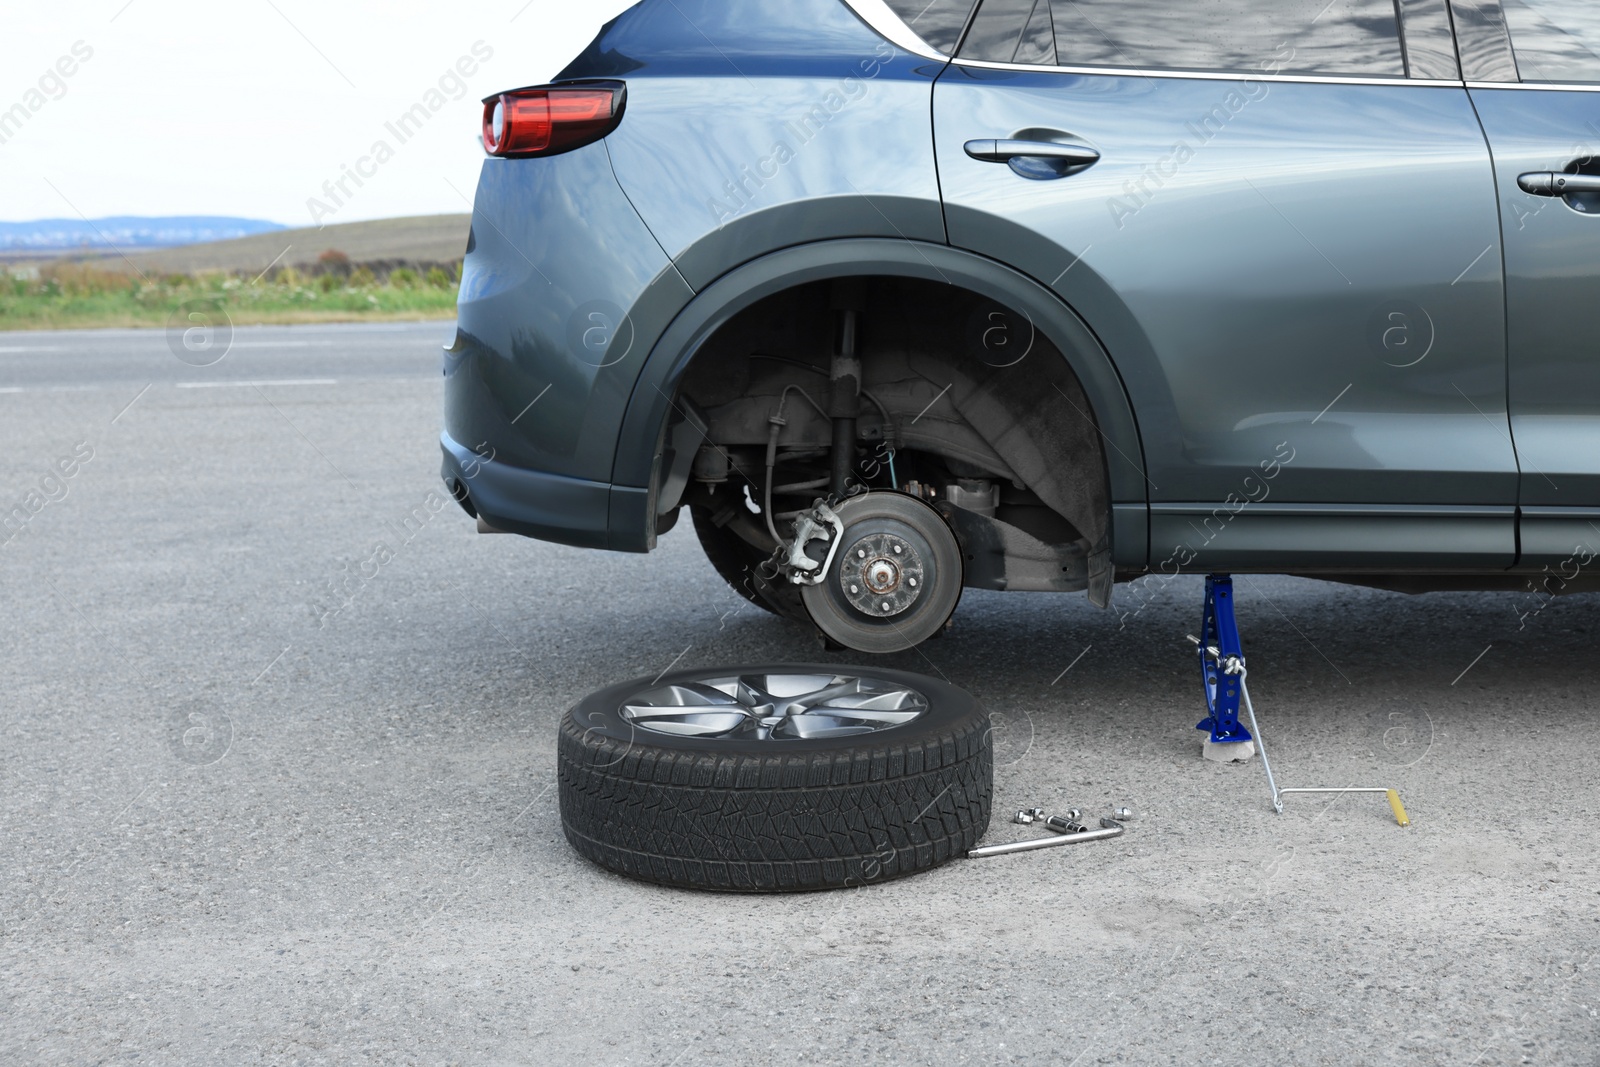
247	107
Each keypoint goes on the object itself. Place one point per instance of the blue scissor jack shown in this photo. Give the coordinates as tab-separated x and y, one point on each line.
1222	663
1222	667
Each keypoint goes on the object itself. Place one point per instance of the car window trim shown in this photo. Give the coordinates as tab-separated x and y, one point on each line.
882	18
1559	87
1215	75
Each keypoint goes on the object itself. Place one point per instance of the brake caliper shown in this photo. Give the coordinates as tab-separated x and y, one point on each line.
821	523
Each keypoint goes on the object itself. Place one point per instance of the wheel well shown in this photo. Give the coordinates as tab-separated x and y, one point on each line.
964	402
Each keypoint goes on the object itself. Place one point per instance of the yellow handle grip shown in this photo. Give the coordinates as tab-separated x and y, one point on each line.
1400	815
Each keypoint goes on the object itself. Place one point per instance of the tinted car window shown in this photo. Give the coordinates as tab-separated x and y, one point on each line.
1345	37
998	32
1555	40
939	22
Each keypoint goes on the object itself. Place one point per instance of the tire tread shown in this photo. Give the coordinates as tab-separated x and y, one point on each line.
762	823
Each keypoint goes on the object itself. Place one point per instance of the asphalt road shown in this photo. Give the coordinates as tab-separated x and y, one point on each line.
242	822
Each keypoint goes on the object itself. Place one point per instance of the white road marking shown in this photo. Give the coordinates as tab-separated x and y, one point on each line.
17	389
284	344
256	385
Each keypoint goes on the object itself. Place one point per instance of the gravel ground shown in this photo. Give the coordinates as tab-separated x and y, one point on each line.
244	821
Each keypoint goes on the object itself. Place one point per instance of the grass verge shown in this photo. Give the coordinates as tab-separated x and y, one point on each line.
70	296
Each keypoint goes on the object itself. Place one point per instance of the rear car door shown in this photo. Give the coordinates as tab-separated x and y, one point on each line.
1286	242
1533	67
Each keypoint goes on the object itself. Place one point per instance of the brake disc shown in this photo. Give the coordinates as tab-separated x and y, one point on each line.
894	579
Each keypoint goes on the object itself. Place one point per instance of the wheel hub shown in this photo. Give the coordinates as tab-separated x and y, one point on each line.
882	575
893	575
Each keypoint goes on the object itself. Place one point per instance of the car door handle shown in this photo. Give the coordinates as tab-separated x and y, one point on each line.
1072	155
1545	183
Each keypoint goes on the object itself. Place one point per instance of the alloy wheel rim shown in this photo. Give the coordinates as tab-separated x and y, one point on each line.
775	707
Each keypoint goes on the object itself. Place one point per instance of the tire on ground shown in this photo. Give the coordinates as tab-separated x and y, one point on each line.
749	815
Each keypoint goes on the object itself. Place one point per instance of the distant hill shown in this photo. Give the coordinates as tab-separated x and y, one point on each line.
46	237
424	239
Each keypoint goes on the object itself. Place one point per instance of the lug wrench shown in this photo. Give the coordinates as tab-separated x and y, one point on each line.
1399	809
1109	828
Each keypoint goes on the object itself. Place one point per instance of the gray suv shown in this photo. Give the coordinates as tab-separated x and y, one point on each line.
898	297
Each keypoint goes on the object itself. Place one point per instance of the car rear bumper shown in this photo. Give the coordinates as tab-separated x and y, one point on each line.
550	507
563	291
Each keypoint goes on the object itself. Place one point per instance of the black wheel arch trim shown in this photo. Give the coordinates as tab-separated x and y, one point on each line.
650	405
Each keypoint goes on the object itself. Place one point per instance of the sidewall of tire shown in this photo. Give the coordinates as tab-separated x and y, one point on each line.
762	816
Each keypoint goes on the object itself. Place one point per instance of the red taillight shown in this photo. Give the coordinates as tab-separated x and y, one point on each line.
544	122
